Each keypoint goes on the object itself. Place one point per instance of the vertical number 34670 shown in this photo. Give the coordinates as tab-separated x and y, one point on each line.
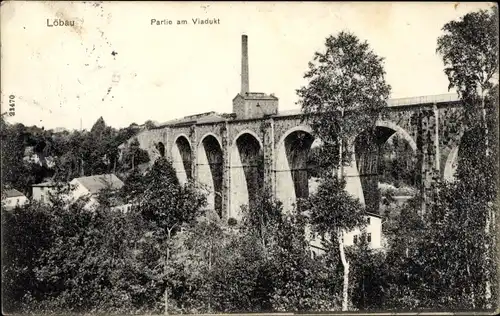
12	105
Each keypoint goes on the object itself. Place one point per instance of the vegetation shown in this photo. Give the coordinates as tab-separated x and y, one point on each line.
347	87
31	155
344	97
469	48
171	255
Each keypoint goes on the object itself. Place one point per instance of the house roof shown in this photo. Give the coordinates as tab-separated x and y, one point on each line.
45	184
289	112
256	96
98	182
12	193
373	214
208	117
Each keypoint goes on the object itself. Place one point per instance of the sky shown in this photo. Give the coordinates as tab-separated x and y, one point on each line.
113	63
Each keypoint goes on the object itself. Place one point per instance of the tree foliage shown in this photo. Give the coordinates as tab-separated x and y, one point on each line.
333	209
369	270
133	155
334	212
165	203
169	254
469	49
63	156
346	90
68	258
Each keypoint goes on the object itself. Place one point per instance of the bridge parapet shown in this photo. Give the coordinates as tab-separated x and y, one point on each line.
432	124
446	98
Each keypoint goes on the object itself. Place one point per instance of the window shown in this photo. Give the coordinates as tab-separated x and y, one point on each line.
368	221
42	198
355	239
369	237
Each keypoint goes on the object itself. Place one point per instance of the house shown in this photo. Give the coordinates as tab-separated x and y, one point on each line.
83	187
12	198
371	233
118	204
42	191
90	186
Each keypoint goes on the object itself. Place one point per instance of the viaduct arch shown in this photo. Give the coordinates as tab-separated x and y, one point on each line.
367	148
290	165
209	170
236	158
246	165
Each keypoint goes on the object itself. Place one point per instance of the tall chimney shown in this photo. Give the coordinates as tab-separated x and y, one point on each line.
244	65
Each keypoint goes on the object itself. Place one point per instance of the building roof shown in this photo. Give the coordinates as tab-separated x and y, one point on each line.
98	182
373	214
208	117
45	184
289	112
256	96
12	193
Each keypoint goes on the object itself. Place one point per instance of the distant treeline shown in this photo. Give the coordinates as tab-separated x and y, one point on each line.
62	156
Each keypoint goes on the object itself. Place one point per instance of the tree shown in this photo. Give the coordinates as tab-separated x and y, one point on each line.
405	258
261	218
100	149
25	236
469	49
16	171
320	160
166	205
345	93
438	261
398	163
200	255
300	282
133	186
463	209
246	261
368	284
99	128
134	155
65	258
12	148
149	124
265	260
334	212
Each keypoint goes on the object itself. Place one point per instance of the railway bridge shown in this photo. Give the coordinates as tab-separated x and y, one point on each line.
237	155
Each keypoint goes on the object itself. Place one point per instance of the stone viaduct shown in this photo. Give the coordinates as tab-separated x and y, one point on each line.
236	155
